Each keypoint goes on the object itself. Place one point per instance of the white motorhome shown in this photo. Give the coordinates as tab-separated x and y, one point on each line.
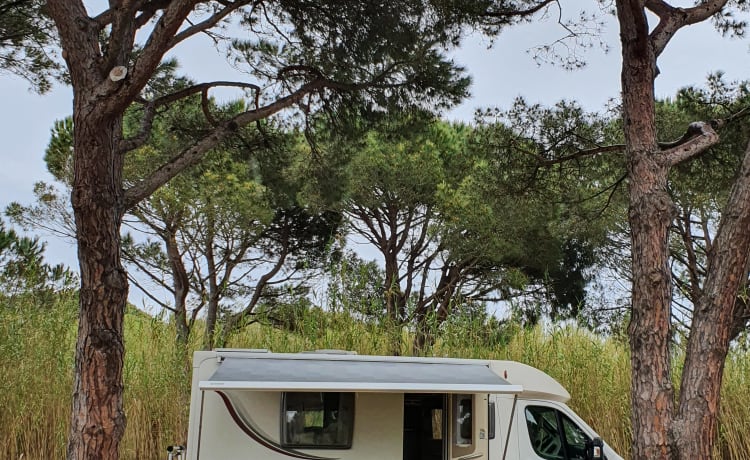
253	404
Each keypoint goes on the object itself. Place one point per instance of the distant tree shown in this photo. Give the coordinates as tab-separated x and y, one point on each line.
23	270
454	227
558	166
226	231
356	285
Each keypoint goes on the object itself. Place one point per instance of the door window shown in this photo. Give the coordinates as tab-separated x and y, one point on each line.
575	439
553	435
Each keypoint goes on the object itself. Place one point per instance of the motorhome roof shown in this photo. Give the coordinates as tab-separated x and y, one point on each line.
341	372
298	371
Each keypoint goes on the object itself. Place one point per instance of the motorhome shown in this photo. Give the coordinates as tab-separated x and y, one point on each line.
324	405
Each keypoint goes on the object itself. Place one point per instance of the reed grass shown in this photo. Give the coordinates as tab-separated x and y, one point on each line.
36	361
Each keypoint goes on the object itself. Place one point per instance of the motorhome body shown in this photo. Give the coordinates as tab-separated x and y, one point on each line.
252	404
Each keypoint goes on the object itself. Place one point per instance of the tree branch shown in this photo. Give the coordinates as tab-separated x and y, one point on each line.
579	154
130	258
193	154
229	8
672	19
699	137
78	34
259	288
122	35
149	110
510	13
148	10
148	294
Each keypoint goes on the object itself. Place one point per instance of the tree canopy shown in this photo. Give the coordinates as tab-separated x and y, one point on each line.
314	56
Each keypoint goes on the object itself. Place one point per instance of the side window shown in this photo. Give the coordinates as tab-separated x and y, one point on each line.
553	435
544	433
318	420
462	413
575	439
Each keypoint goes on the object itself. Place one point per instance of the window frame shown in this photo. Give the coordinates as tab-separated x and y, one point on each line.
285	442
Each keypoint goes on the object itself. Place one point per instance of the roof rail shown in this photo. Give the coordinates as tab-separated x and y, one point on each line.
332	351
243	350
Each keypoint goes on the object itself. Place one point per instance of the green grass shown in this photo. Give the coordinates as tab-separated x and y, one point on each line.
36	361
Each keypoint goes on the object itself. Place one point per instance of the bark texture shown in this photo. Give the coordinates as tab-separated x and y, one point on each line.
717	318
98	420
650	214
661	430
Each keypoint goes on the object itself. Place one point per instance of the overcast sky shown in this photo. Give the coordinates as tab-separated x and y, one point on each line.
500	74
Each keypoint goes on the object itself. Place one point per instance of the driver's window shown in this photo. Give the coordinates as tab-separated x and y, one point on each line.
544	433
575	439
549	441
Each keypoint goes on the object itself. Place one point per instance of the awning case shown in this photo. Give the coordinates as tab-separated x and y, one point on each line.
305	374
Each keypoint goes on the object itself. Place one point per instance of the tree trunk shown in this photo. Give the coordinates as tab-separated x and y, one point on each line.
211	319
213	288
392	287
650	215
180	285
98	419
423	335
715	322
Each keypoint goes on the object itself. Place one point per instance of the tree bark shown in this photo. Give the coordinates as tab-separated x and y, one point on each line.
715	319
660	431
650	215
98	419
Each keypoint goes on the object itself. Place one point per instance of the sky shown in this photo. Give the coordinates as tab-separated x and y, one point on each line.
500	74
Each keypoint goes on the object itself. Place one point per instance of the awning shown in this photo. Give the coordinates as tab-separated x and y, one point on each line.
273	374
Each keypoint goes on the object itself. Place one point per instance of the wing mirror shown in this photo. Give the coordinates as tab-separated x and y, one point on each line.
175	452
595	449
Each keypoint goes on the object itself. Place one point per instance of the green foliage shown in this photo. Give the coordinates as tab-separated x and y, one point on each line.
473	209
23	270
37	343
705	182
560	200
26	42
59	154
394	49
36	362
356	285
51	213
243	207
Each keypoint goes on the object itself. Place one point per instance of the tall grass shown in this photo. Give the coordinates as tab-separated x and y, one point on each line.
734	441
37	345
37	342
